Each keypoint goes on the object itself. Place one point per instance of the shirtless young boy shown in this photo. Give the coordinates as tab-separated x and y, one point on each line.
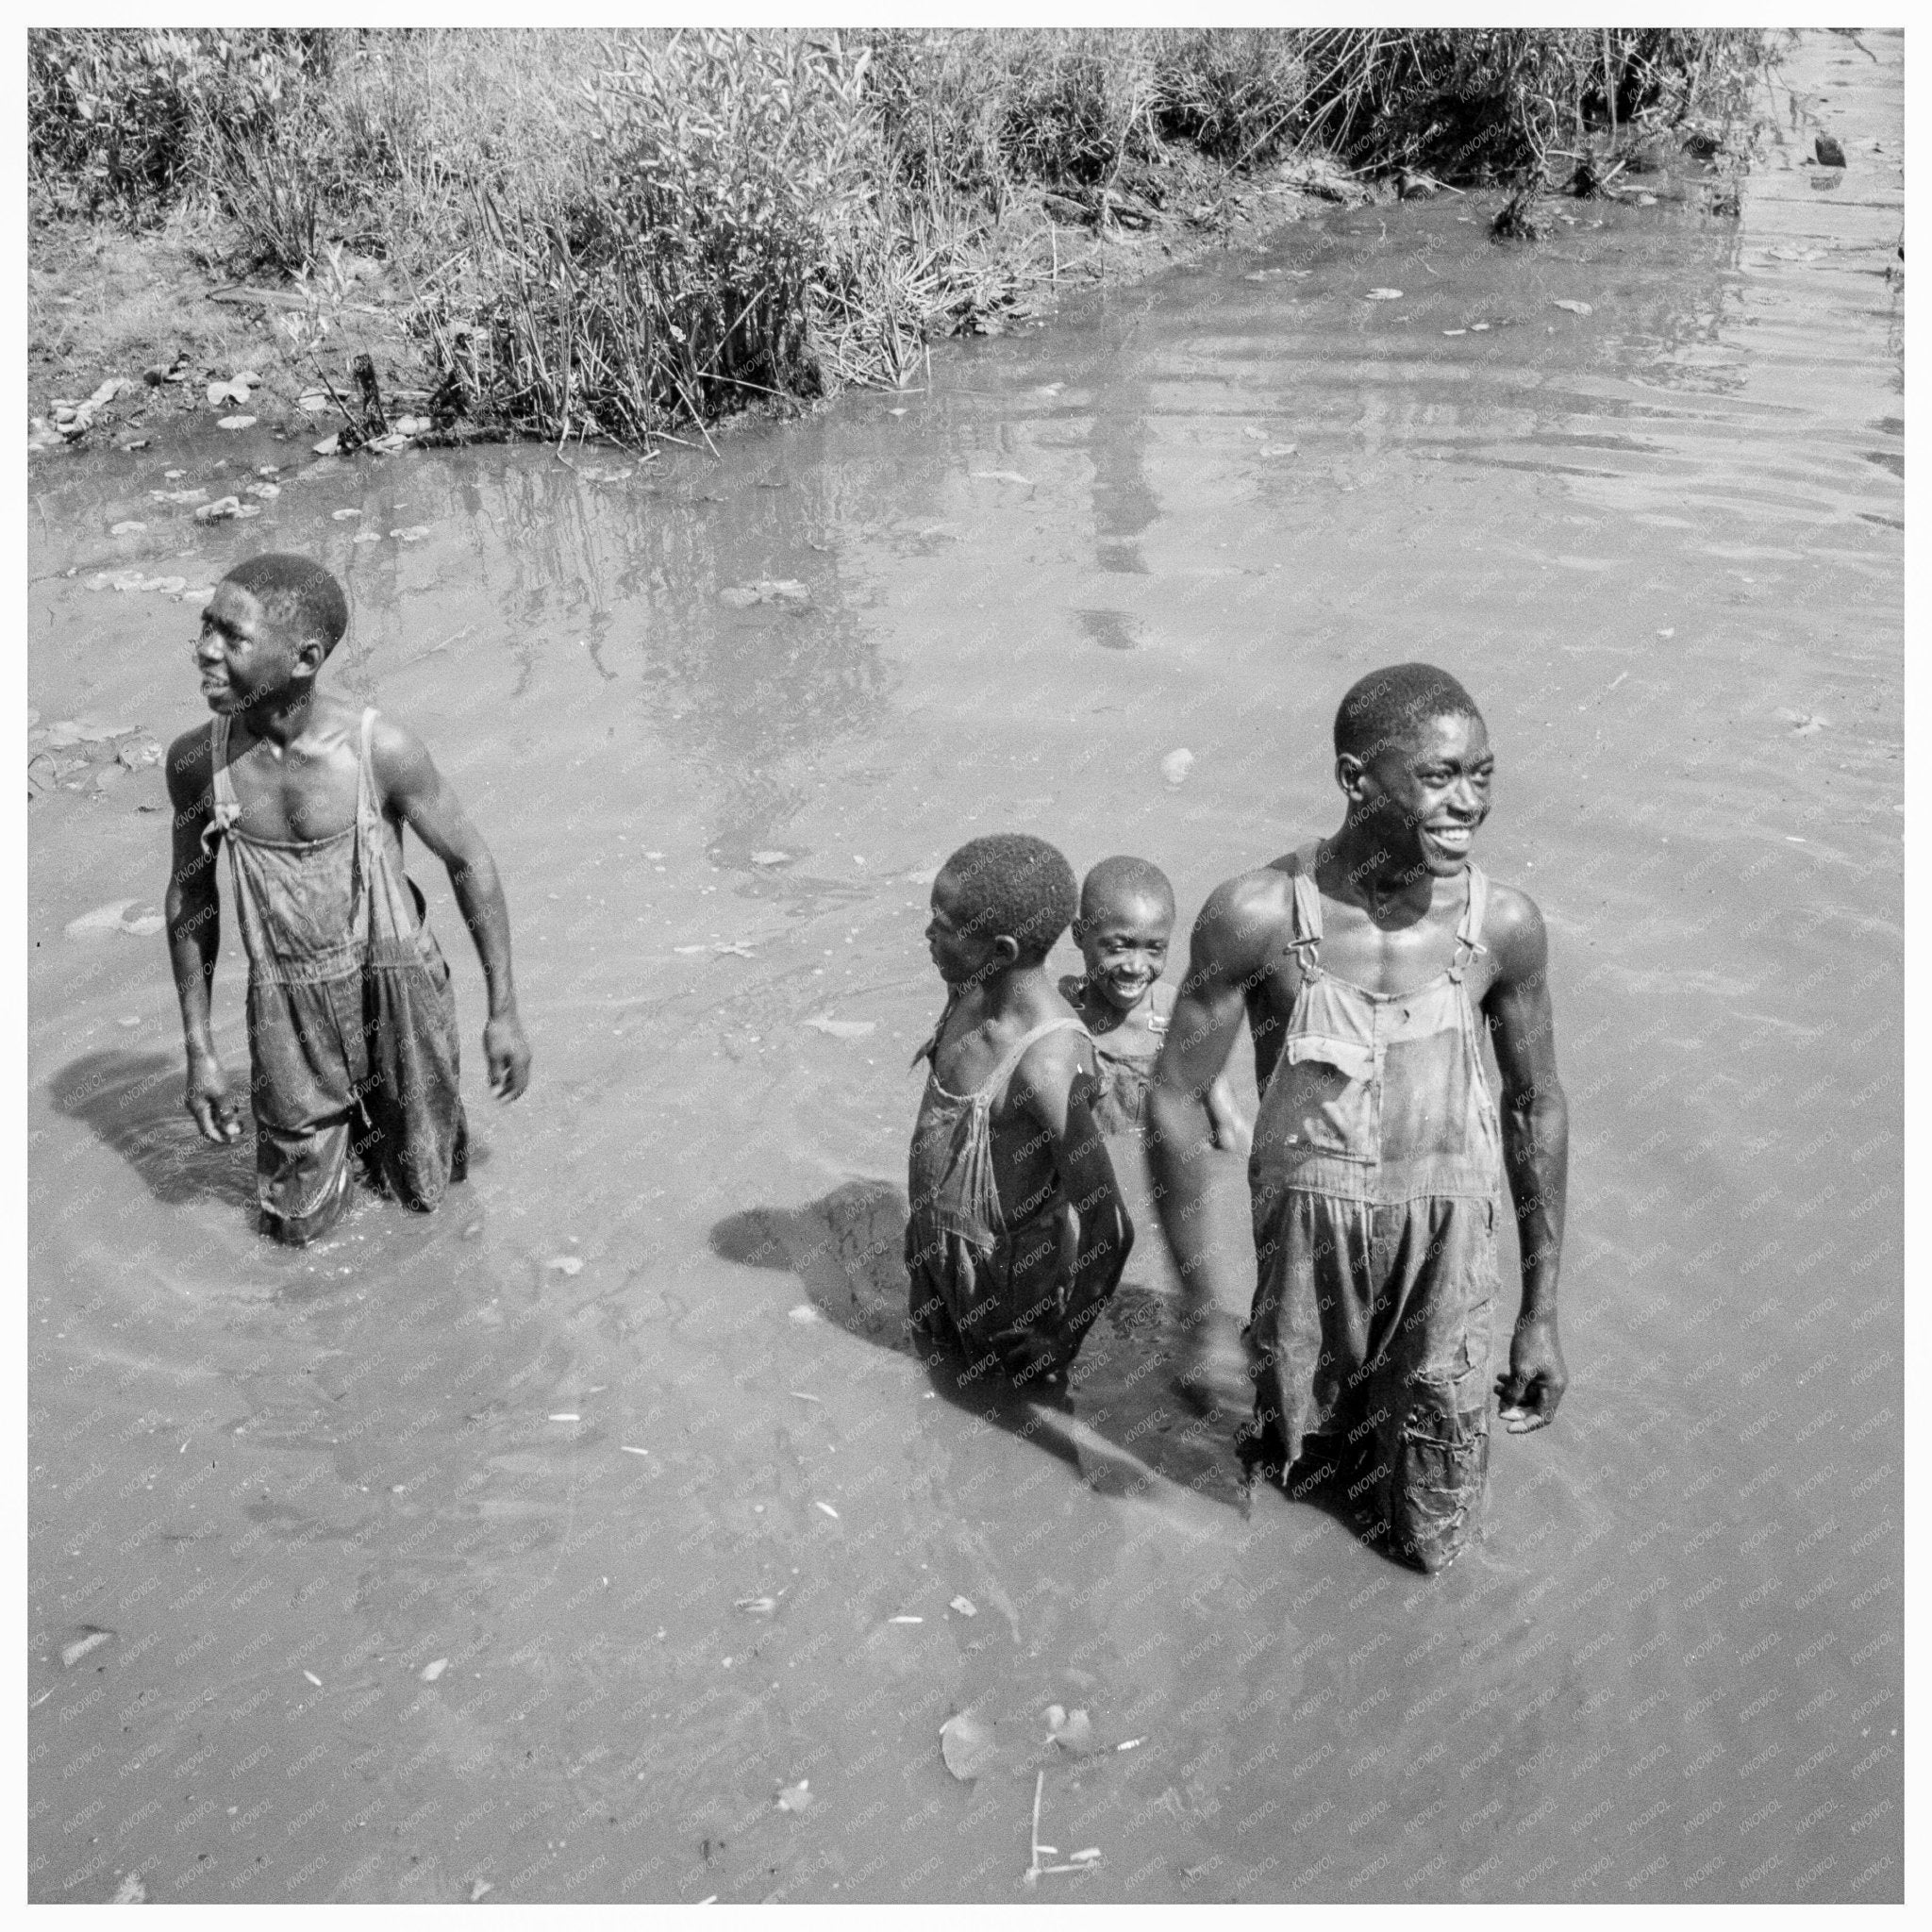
1018	1235
1369	964
351	1023
1125	923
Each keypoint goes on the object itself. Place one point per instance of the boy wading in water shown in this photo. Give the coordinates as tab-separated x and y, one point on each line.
1125	922
1018	1235
1363	961
351	1023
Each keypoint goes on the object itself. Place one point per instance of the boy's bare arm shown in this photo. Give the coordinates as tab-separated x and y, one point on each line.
1234	1133
1053	1084
194	910
1227	948
1536	1151
415	791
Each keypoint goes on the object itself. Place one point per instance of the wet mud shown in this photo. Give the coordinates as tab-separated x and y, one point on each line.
596	1539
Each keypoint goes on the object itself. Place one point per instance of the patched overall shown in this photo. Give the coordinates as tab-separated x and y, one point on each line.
1375	1176
351	1022
986	1286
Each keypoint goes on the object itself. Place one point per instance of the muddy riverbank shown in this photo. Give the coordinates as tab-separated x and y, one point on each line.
592	1538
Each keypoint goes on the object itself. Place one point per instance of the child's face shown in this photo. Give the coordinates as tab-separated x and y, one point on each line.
244	656
1124	945
962	957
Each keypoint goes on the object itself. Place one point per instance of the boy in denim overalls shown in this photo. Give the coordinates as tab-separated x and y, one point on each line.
1018	1235
351	1026
1363	961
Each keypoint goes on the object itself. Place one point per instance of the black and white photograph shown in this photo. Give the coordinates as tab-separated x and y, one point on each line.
964	965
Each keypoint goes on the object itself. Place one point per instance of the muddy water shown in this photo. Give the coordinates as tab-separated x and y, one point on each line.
542	1544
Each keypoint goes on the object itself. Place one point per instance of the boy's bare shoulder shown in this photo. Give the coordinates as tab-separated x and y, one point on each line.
1241	924
1513	931
398	757
190	765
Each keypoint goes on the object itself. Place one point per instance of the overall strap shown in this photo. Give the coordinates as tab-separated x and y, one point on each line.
1004	1072
366	769
930	1051
1306	942
1468	931
225	807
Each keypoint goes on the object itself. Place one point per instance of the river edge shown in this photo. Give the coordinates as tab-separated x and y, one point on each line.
107	303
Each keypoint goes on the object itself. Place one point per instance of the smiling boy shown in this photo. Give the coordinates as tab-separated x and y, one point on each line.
1124	927
351	1023
1363	961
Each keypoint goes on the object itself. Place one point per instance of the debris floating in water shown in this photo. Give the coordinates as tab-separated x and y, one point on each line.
805	1314
567	1415
1383	295
828	1510
430	1671
1175	766
770	859
313	1679
786	592
84	1646
968	1744
905	1620
566	1264
797	1797
841	1029
1575	307
1001	476
629	1450
130	528
965	1606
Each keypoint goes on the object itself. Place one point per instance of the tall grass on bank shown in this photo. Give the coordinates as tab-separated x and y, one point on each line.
618	234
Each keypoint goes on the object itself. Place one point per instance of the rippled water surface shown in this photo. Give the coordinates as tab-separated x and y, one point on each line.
624	1434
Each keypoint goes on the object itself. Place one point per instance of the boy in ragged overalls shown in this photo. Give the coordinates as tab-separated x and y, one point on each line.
1370	964
1018	1235
351	1024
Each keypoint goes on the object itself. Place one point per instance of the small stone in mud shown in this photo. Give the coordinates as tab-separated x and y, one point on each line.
1830	154
236	422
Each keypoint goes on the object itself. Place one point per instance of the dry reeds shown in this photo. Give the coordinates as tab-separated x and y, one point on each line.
619	234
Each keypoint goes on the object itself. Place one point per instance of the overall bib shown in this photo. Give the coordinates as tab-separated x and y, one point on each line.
982	1284
351	1022
1376	1166
1125	1078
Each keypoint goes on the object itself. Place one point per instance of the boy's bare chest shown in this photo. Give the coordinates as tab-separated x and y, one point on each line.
296	796
1387	957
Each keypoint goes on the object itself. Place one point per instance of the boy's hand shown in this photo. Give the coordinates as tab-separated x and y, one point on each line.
507	1054
1536	1378
208	1100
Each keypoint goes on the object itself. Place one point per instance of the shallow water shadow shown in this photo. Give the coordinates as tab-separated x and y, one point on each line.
1120	1424
132	1102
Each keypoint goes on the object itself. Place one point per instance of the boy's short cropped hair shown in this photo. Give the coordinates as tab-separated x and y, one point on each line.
1013	885
296	591
1389	705
1124	877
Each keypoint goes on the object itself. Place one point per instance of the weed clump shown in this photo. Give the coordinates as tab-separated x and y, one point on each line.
619	234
